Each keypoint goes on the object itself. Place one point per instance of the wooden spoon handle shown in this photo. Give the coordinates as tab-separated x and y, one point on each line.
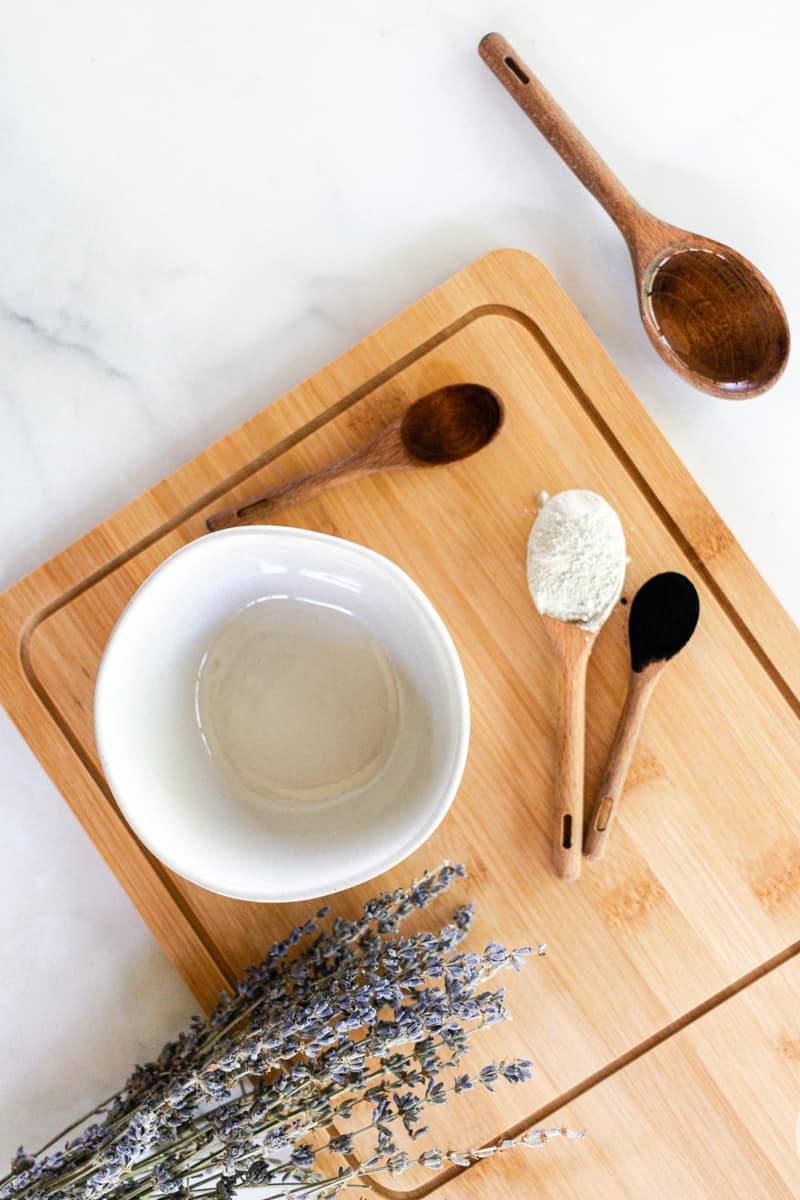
568	794
294	491
565	138
640	689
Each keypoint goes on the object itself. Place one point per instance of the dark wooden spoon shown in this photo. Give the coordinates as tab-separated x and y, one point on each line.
444	427
664	616
711	315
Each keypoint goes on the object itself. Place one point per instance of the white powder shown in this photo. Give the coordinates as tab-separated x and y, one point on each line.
576	559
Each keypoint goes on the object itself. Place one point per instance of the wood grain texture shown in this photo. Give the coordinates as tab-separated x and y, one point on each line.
385	453
703	887
573	647
710	1114
609	793
707	310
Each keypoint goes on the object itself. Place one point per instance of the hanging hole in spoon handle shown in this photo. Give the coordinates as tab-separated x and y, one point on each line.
567	829
516	69
565	138
284	495
626	736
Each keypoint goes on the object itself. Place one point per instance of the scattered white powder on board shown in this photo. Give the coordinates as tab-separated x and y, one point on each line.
576	559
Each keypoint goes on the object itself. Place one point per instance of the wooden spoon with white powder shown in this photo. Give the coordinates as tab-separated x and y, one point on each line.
576	569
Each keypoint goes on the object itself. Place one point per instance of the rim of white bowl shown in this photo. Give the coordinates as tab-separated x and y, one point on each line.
437	812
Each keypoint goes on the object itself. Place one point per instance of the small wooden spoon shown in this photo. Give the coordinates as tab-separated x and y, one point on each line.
443	427
576	569
664	616
710	314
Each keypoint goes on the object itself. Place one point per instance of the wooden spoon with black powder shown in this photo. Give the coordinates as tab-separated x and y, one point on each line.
663	617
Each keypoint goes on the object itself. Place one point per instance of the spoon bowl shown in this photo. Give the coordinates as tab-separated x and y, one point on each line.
710	314
663	617
450	424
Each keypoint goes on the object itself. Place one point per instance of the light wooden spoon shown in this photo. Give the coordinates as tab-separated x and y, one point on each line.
444	427
576	568
663	617
710	314
573	646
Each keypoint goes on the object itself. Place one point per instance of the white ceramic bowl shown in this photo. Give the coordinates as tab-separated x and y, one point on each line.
202	734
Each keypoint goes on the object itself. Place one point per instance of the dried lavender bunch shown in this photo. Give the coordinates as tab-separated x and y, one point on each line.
338	1017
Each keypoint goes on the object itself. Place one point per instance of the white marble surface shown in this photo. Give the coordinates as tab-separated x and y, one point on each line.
204	202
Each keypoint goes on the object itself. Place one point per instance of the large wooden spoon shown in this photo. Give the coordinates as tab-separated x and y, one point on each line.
664	616
710	314
444	427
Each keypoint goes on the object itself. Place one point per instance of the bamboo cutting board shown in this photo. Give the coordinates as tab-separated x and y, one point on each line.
714	1112
699	894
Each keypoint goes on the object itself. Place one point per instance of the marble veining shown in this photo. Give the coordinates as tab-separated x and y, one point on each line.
55	338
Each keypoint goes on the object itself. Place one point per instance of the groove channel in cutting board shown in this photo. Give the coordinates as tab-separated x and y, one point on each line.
712	1114
703	881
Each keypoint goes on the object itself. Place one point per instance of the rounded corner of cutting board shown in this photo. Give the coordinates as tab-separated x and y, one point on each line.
512	259
510	278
